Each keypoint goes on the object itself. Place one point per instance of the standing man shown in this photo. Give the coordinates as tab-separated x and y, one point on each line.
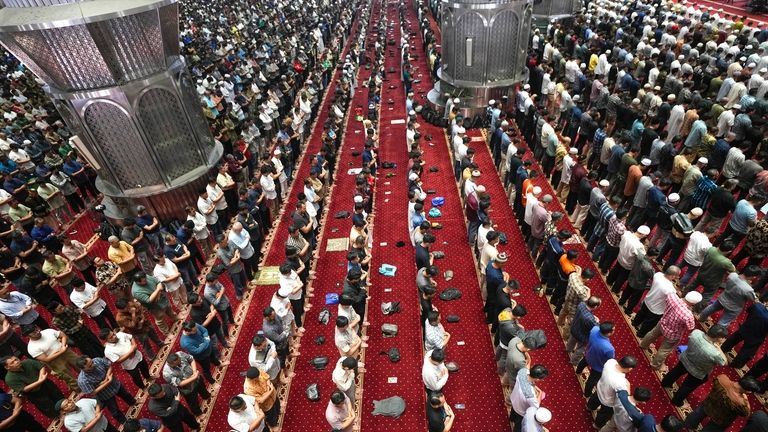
676	322
83	415
122	348
738	291
151	294
195	341
340	413
655	301
242	240
30	378
599	351
526	394
229	255
701	356
50	347
97	379
180	371
245	414
165	402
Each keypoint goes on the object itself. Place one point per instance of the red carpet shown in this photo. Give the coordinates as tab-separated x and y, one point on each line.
232	382
331	271
484	409
392	226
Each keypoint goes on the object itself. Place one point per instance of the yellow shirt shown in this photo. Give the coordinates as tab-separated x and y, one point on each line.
122	252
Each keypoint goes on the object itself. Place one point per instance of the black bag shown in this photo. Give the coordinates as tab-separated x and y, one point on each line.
218	269
434	168
319	362
534	339
430	191
387	164
393	354
341	215
438	254
313	392
400	243
452	318
452	367
389	308
320	340
451	293
355	153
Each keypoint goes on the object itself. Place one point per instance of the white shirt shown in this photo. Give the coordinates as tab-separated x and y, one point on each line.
482	232
434	376
629	248
698	245
268	186
610	382
523	395
344	379
214	192
265	363
4	195
531	202
656	300
241	421
48	343
287	285
162	272
113	351
76	420
200	230
80	298
203	205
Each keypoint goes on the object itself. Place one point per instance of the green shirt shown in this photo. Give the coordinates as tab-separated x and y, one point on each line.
29	373
701	356
142	293
19	212
714	268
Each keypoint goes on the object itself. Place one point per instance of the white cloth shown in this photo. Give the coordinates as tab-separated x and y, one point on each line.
80	298
611	381
76	420
629	248
656	300
162	272
241	421
47	344
344	379
698	245
113	351
434	376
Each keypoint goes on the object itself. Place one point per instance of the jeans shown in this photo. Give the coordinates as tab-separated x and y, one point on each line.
239	281
644	321
617	277
725	319
689	272
105	319
188	274
695	418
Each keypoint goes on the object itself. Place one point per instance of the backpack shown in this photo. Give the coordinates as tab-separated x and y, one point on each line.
534	339
389	308
389	330
313	392
324	317
451	293
393	354
107	230
319	362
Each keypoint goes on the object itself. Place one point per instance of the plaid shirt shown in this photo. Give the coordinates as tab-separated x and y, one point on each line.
576	293
616	229
88	380
68	321
606	213
597	142
677	320
704	189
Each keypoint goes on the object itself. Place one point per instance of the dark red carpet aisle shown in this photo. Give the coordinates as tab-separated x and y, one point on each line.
331	270
391	227
232	382
476	385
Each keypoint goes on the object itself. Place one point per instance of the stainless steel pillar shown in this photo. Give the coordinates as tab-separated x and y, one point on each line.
484	46
114	73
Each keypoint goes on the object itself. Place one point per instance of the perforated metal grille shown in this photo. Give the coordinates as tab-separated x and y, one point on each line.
132	46
68	55
35	3
504	34
169	24
522	41
471	25
168	131
192	105
121	146
449	52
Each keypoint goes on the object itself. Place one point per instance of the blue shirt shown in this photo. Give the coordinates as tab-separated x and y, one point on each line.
494	278
617	152
743	215
42	233
583	322
599	350
719	153
196	344
71	167
7	167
